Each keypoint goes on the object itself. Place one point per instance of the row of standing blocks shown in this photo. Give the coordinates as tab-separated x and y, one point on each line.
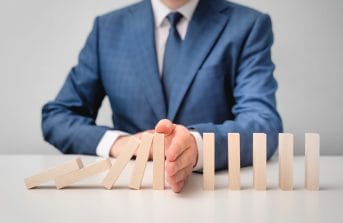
286	151
74	171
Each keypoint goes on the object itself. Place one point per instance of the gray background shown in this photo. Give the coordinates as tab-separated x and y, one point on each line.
40	41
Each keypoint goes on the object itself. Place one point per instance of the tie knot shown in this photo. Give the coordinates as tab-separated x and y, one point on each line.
174	18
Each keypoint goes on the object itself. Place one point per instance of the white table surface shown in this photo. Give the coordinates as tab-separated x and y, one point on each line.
89	202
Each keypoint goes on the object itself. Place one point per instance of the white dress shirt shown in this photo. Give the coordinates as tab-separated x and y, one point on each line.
161	35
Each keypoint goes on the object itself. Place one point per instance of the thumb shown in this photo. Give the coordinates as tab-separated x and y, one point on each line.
165	126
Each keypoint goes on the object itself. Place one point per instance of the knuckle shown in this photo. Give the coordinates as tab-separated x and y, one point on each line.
171	168
171	155
172	179
178	162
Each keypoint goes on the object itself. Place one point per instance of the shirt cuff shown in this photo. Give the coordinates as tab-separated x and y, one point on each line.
198	139
107	141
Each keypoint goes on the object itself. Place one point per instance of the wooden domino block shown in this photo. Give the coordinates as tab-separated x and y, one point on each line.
209	161
141	161
260	161
52	173
234	158
122	160
78	175
158	162
312	155
286	148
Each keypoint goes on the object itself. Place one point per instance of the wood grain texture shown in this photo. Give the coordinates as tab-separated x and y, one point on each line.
158	162
209	161
234	158
86	172
51	174
286	151
260	161
120	163
312	156
141	161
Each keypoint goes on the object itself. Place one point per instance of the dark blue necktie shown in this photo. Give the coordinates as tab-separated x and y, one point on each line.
171	54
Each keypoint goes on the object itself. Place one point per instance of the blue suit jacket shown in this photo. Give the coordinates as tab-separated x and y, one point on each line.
227	82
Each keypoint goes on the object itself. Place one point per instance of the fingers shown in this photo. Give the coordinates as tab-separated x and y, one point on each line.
181	157
175	151
177	138
186	159
179	144
180	175
177	181
181	153
178	187
165	126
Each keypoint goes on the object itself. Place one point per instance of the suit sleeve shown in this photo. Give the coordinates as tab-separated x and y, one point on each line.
254	90
68	122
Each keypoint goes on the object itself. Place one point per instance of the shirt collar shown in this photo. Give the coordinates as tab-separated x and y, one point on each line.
161	11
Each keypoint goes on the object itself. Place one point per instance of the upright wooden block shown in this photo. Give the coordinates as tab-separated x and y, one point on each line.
122	160
286	148
312	155
78	175
158	162
141	160
52	173
209	161
260	161
234	158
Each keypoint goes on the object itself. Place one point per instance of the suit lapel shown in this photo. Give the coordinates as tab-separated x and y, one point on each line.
203	31
142	39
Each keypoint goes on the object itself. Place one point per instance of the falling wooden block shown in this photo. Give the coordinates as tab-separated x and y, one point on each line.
234	158
52	173
209	161
86	172
312	155
158	162
141	161
260	161
286	148
124	157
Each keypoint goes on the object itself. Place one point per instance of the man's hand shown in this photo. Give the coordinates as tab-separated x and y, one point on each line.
181	153
119	144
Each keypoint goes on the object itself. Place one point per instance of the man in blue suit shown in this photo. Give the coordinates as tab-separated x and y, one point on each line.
178	67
